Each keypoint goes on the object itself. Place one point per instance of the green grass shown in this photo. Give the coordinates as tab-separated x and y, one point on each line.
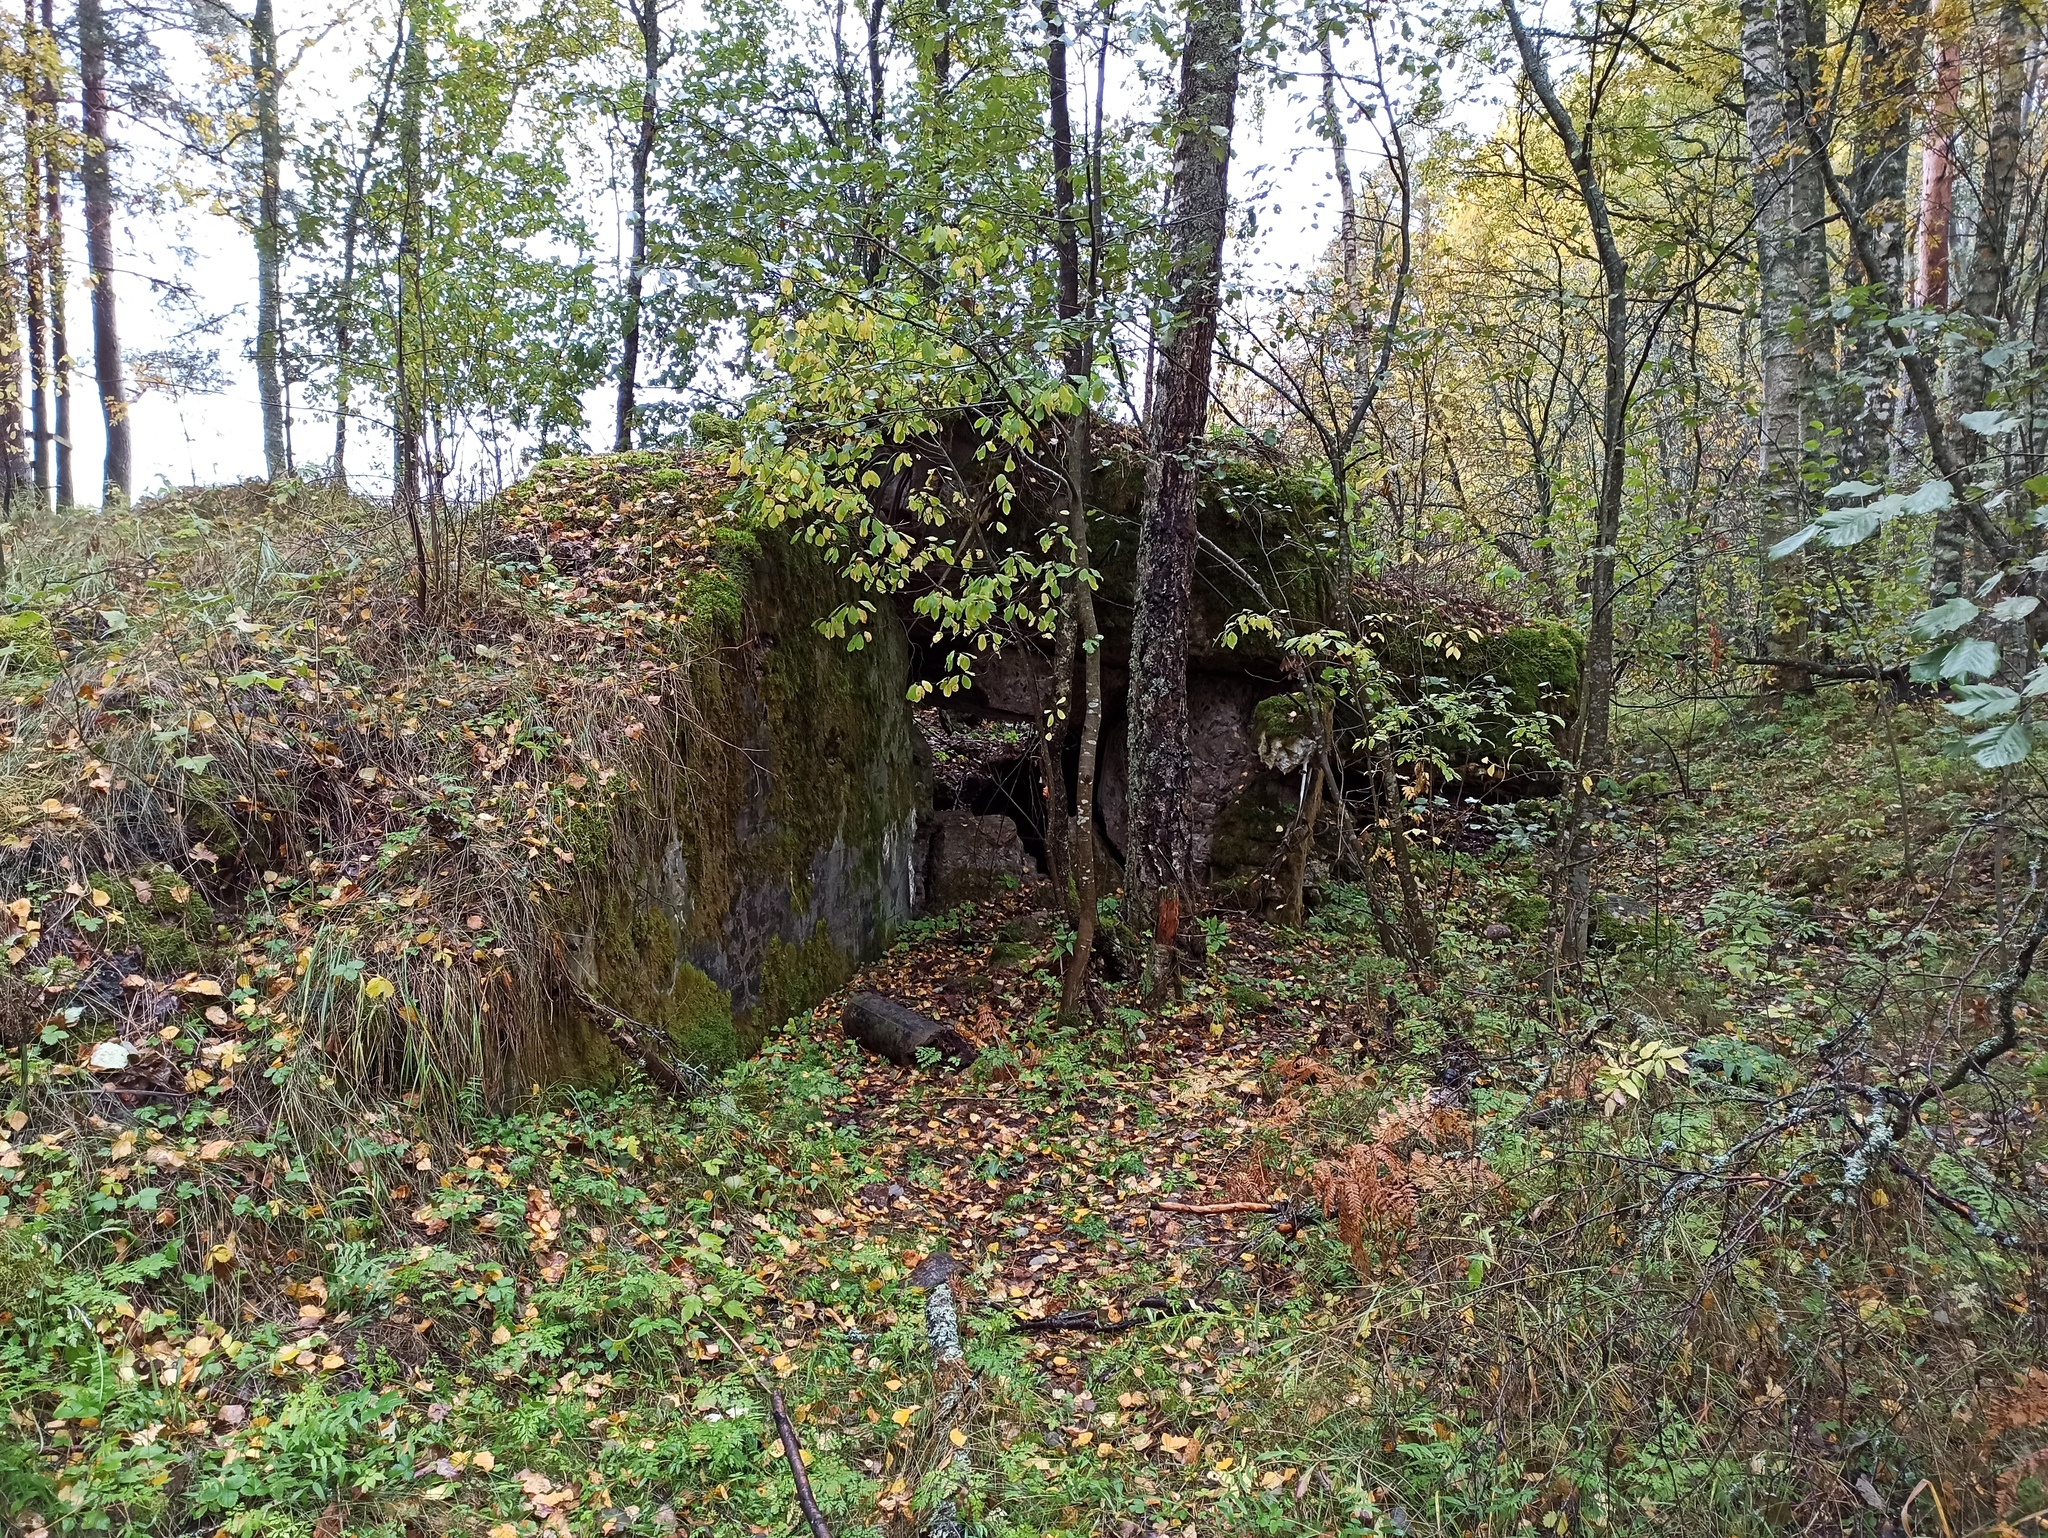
316	1268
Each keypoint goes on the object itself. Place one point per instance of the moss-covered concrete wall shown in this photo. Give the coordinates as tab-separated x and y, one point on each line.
768	849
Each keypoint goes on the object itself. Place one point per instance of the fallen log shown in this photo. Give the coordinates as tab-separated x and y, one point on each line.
1215	1209
899	1033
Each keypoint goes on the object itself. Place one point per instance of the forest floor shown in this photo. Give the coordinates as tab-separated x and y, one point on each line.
1484	1298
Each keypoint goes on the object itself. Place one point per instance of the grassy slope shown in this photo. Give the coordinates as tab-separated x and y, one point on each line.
565	1317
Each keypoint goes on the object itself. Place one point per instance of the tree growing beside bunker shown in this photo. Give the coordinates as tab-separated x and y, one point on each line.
1279	778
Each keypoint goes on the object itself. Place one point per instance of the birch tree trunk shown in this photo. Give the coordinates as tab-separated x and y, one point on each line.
1160	857
269	238
1938	169
1777	156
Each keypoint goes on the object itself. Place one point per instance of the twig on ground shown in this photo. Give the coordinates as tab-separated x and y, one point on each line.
793	1451
1091	1320
1216	1209
631	1037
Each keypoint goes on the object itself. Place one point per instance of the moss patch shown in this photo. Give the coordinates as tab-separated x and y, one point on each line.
794	980
174	936
736	880
1538	665
1248	831
699	1021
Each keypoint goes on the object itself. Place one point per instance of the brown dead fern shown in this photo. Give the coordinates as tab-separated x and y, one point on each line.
1419	1152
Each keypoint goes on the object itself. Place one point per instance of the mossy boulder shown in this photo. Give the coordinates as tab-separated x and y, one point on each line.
1537	664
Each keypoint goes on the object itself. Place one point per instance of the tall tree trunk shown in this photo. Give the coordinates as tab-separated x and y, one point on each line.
96	177
1777	156
872	247
1160	867
408	423
1077	638
13	461
648	17
351	228
1990	266
264	81
1597	705
1972	518
1938	168
1888	46
1803	30
53	215
35	248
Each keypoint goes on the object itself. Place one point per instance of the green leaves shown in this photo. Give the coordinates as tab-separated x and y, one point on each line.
1989	424
1982	702
1841	527
1963	659
1951	616
2006	744
2002	746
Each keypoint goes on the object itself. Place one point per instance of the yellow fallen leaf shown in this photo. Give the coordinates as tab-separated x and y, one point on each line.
484	1460
214	1149
379	988
957	1437
902	1417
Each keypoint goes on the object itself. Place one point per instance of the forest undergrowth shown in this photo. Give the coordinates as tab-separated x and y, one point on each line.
1499	1257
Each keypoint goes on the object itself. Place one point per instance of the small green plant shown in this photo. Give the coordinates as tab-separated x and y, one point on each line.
1626	1072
